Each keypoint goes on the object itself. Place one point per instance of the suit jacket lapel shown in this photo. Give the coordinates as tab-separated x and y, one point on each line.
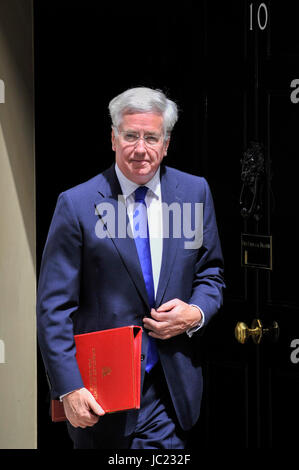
109	191
170	193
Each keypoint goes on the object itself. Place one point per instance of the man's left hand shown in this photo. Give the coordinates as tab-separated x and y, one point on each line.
171	319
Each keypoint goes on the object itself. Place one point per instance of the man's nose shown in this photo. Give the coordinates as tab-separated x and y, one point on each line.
140	146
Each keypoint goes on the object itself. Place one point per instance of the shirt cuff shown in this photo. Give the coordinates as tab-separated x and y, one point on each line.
62	396
200	324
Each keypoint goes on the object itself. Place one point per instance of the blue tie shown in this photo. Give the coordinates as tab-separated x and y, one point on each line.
141	235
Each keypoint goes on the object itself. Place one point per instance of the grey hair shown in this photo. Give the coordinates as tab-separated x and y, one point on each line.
144	100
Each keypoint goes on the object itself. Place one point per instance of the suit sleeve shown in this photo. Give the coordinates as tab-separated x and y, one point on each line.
208	280
58	298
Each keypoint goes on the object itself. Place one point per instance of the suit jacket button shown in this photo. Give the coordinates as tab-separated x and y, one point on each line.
142	357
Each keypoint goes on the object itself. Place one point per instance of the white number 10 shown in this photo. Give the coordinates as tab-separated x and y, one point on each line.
261	24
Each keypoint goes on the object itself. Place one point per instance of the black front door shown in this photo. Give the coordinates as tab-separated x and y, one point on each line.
233	69
251	144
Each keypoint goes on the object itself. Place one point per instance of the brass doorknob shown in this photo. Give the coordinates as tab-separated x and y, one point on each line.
256	332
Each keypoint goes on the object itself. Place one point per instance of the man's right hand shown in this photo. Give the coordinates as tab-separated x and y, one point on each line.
81	408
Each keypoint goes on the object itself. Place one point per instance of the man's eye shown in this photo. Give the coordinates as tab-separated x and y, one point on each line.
151	139
131	137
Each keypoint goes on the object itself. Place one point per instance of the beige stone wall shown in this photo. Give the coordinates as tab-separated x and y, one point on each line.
18	414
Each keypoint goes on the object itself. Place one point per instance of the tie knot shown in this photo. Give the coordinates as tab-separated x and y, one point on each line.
140	193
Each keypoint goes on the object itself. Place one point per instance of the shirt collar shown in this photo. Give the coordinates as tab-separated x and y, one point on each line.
128	186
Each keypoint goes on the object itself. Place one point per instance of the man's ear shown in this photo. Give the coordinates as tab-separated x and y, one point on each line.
166	146
113	139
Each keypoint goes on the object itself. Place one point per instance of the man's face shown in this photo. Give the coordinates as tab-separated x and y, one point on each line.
139	160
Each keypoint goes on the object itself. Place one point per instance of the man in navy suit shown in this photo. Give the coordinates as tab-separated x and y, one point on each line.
98	273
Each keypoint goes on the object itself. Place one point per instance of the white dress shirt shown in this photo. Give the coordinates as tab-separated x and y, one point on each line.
154	215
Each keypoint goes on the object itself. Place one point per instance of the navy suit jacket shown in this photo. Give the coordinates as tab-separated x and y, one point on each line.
89	283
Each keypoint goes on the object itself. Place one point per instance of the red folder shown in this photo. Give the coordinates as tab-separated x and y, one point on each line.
110	365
